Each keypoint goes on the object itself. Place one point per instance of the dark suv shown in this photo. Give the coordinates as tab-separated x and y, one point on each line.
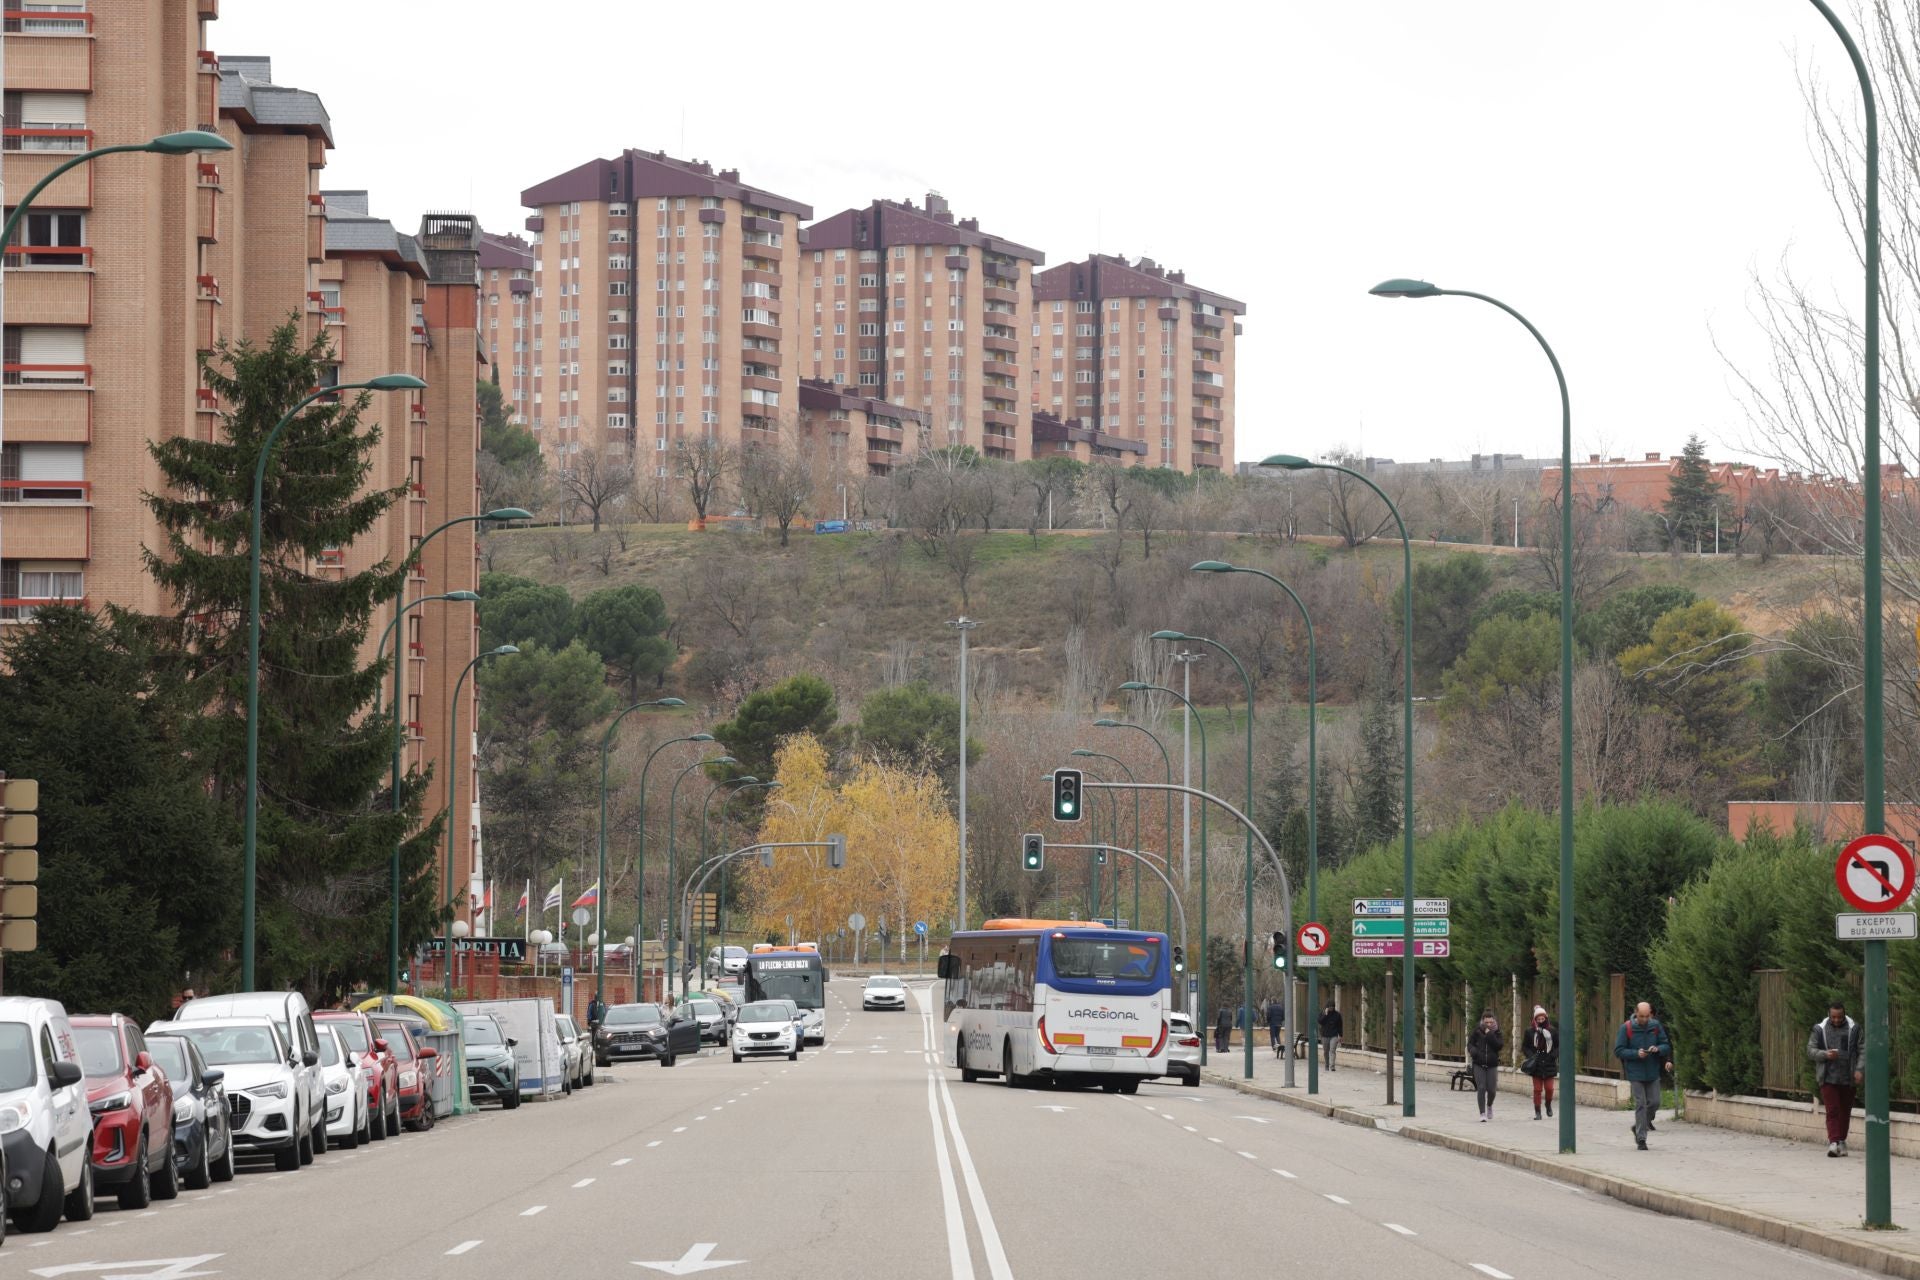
631	1032
132	1105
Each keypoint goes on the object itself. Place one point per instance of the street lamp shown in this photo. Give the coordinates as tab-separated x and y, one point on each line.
187	142
640	861
606	741
454	825
1290	462
1313	805
1166	760
963	625
393	923
673	891
1101	755
1421	289
749	785
386	382
1093	833
1200	977
673	801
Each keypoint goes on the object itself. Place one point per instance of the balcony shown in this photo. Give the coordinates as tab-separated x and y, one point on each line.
54	53
883	459
994	293
771	226
1000	418
206	318
22	608
1001	271
769	278
48	294
771	252
26	165
1005	346
1202	413
763	331
206	212
999	369
1208	391
522	287
1206	435
879	433
713	215
49	413
757	355
958	262
1202	365
317	232
536	223
748	382
1211	326
1201	342
1169	313
51	531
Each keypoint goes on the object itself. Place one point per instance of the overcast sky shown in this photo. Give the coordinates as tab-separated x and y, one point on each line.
1617	172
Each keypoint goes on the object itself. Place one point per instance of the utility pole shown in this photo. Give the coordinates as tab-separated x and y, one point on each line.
1186	658
963	624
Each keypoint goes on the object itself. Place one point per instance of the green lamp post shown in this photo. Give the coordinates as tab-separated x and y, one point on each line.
1290	462
1200	970
1095	857
731	797
1166	918
673	803
673	891
600	934
386	382
1101	755
1313	805
454	825
187	142
640	862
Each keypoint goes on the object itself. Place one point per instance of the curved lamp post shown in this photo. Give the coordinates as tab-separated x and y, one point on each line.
600	941
1101	755
673	891
1093	831
454	825
1142	686
1313	805
748	785
188	142
386	382
1290	462
673	803
640	862
1166	761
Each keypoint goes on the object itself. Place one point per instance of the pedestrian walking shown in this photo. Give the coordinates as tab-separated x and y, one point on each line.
1222	1029
1541	1044
1483	1053
1277	1023
1644	1051
1835	1047
1332	1027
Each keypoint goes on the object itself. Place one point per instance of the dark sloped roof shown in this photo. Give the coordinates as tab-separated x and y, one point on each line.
249	95
351	230
655	173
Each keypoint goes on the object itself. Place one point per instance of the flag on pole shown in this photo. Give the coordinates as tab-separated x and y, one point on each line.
591	898
553	898
524	895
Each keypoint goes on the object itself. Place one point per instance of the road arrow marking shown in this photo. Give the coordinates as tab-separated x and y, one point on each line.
166	1268
694	1259
1055	1109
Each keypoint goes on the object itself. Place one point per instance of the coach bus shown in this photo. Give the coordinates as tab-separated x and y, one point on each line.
799	976
1066	1001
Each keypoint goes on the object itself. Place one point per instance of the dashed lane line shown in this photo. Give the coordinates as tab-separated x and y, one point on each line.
1343	1200
528	1213
1283	1173
1486	1270
1399	1230
463	1247
584	1182
622	1160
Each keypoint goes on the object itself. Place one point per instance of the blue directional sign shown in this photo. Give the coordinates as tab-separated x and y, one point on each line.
920	927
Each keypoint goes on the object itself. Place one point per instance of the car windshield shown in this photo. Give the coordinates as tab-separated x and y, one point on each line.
225	1046
735	953
480	1031
354	1032
16	1056
767	1011
329	1051
397	1041
99	1051
631	1015
171	1054
706	1009
883	982
1102	959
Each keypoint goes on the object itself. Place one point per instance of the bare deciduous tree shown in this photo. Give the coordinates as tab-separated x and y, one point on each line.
777	481
703	464
594	481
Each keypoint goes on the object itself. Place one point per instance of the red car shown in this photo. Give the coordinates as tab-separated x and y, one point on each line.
417	1068
375	1054
132	1104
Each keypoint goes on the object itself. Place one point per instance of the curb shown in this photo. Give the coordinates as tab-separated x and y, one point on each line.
1794	1235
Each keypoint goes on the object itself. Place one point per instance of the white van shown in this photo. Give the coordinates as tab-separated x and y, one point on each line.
45	1126
289	1010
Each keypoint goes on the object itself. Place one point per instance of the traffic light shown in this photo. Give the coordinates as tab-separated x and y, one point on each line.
1033	852
836	851
19	864
1100	856
1179	960
1066	795
1279	949
766	855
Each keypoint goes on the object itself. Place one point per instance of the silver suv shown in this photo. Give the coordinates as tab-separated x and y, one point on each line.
1183	1050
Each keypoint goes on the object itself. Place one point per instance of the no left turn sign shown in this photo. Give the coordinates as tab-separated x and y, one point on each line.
1875	873
1313	938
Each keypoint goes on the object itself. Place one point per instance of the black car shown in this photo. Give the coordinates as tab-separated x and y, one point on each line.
202	1126
631	1032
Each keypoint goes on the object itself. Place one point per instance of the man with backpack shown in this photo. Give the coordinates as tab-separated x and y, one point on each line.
1643	1050
1835	1048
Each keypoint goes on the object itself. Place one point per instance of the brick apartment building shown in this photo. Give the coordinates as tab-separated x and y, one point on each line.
926	312
1641	485
860	434
132	267
1132	352
506	311
663	309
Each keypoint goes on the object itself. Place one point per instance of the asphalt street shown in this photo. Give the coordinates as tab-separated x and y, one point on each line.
866	1158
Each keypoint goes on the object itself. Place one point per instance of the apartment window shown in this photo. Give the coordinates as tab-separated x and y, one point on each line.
43	472
54	230
869	379
46	122
1059	330
869	330
617	289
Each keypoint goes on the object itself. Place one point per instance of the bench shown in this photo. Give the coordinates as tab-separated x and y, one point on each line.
1461	1079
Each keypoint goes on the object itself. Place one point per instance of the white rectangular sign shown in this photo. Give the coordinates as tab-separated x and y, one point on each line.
1312	962
1872	928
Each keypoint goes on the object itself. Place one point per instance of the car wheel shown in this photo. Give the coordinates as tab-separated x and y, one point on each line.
393	1116
45	1215
511	1099
287	1158
138	1193
350	1139
736	1057
200	1177
794	1055
967	1074
589	1080
1006	1068
1129	1086
566	1086
319	1132
377	1124
1192	1081
165	1185
366	1125
666	1059
223	1169
304	1145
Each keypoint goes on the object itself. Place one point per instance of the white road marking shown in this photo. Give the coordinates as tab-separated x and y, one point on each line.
654	1143
997	1265
1213	1139
1255	1119
681	1129
528	1213
1396	1227
1342	1200
958	1256
151	1213
461	1248
1283	1173
1484	1269
622	1160
584	1182
1249	1155
1189	1128
699	1118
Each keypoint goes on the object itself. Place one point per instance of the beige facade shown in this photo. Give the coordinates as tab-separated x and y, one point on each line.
1133	352
662	309
851	434
506	318
908	305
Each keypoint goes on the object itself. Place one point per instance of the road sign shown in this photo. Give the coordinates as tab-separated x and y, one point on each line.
1392	907
581	915
920	927
856	922
1875	873
1394	948
1396	927
1320	961
1875	927
1313	938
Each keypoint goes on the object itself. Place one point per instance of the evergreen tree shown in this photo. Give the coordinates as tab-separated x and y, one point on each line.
1445	596
798	704
1692	497
1376	792
327	827
626	626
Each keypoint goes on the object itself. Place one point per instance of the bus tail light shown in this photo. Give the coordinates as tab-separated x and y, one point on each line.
1161	1043
1044	1042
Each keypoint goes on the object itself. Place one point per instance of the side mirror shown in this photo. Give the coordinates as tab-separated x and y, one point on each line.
946	966
143	1061
212	1076
429	1053
65	1073
309	1058
511	1042
380	1045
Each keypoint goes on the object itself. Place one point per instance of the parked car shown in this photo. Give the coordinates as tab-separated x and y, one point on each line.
349	1117
638	1031
726	960
288	1010
202	1132
416	1071
1183	1050
578	1053
44	1121
132	1104
383	1085
766	1027
492	1073
267	1111
711	1017
883	991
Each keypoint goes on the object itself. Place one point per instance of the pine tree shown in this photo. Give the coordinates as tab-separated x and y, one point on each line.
1376	792
327	828
1692	496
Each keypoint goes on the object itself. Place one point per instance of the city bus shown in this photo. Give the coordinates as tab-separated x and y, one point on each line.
799	976
1066	1001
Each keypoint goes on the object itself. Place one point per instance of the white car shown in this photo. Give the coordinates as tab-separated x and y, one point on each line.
45	1125
263	1089
348	1088
726	961
767	1027
578	1068
1183	1050
883	991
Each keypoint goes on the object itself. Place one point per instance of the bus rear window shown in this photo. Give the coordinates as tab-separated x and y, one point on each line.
1104	960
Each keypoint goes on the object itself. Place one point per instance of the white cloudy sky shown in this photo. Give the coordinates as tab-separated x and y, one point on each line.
1616	171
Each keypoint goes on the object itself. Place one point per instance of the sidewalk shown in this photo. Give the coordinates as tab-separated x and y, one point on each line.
1787	1192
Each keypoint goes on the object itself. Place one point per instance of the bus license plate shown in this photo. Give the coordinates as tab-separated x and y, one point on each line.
1105	1049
